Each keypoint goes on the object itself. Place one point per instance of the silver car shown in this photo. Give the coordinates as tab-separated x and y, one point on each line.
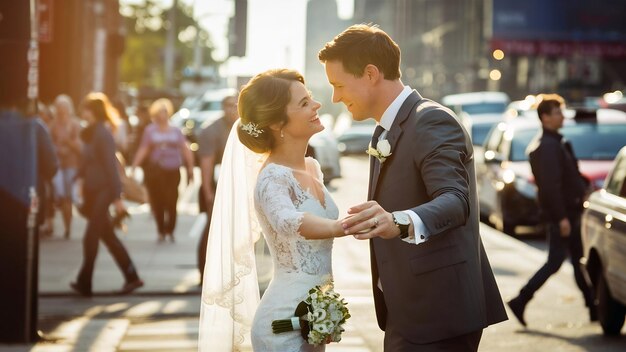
323	147
199	111
603	229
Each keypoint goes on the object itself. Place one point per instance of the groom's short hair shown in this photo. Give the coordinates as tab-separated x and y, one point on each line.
363	44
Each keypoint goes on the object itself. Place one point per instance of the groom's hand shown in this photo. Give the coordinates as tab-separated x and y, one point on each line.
369	220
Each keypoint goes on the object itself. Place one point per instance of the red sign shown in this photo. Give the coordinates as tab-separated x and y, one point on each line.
44	20
609	50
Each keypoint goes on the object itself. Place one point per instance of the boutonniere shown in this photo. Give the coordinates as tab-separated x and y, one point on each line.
382	151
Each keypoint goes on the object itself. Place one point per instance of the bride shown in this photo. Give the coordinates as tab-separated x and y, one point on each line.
267	187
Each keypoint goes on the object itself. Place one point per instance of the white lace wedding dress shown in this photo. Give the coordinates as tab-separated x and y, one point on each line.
299	264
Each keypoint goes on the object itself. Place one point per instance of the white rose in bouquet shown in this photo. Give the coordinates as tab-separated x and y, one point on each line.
320	316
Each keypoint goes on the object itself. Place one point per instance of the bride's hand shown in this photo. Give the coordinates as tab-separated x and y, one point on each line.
328	340
369	220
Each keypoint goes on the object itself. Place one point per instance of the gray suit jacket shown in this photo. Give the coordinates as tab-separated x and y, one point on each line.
443	287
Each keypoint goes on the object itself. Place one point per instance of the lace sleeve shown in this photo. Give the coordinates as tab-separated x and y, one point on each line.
276	197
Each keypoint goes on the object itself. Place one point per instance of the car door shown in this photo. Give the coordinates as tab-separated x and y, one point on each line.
614	202
487	171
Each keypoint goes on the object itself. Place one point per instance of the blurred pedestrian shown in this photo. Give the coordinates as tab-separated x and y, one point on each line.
167	149
36	157
101	188
45	114
143	121
65	131
46	191
211	141
121	133
561	191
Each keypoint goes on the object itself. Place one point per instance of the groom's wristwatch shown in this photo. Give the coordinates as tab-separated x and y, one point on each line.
402	221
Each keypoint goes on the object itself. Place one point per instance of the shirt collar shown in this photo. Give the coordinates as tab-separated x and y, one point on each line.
392	110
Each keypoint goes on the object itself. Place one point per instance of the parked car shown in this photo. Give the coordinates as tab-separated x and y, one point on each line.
323	147
519	107
618	105
477	103
353	137
478	126
506	186
197	112
604	246
478	111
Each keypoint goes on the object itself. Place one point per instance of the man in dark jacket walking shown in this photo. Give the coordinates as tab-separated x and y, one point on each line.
561	191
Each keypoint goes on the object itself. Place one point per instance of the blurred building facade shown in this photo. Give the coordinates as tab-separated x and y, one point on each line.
322	25
441	41
573	47
80	45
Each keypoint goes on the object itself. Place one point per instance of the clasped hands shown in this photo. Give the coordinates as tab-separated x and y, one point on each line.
369	220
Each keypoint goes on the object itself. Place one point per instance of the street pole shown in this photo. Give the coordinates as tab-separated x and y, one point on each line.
197	49
32	93
197	52
170	46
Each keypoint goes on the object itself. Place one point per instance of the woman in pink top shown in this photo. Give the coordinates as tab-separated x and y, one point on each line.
166	149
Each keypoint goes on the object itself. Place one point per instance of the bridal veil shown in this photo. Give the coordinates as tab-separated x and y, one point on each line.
230	291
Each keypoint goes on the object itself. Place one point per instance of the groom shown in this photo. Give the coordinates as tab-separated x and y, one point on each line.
433	286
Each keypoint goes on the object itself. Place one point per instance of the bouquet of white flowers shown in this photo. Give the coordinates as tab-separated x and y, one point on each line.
320	317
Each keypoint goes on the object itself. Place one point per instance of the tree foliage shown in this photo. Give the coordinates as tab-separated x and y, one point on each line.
146	24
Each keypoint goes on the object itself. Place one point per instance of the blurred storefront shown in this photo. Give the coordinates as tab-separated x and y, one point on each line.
574	47
80	44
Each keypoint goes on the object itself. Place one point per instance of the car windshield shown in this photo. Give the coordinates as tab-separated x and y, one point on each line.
210	105
484	108
589	140
191	103
479	132
520	142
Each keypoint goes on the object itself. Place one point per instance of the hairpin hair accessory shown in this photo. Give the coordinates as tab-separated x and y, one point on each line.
252	129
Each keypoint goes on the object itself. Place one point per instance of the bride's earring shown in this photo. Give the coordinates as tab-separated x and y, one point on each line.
281	134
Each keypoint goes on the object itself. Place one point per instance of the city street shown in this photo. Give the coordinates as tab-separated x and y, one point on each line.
163	315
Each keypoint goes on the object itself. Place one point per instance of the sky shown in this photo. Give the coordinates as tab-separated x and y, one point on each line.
276	31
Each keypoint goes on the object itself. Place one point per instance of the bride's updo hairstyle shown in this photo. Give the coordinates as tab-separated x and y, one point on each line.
262	103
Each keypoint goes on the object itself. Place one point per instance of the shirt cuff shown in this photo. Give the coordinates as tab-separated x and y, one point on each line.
420	234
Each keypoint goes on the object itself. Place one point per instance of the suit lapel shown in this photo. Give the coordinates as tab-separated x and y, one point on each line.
393	136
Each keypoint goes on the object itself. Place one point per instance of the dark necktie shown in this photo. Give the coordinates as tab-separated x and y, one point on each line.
377	132
374	164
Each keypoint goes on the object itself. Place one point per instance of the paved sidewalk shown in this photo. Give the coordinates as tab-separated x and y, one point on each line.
164	267
99	323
